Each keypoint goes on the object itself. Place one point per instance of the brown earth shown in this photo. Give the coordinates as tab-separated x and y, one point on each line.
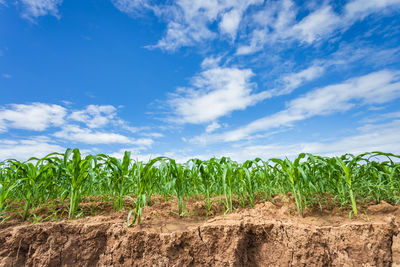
266	235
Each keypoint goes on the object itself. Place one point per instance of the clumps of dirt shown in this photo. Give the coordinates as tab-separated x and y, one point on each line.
268	234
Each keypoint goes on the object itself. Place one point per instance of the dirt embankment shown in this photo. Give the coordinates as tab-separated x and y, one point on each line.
267	235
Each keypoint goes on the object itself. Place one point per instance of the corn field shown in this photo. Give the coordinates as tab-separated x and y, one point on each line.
308	180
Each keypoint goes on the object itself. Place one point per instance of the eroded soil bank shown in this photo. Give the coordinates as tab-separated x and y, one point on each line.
267	235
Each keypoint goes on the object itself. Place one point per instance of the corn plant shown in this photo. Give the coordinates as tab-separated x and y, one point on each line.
78	171
7	184
143	182
346	167
206	173
227	183
119	177
295	174
178	175
33	181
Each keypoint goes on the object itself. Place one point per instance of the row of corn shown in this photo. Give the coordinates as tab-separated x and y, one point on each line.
307	180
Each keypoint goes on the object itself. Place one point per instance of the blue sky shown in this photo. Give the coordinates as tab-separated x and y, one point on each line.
185	78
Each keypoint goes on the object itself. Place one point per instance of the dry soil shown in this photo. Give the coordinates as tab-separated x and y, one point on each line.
270	234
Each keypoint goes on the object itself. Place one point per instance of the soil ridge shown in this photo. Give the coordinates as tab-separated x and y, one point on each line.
232	240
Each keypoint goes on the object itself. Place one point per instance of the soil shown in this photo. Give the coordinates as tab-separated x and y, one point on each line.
269	234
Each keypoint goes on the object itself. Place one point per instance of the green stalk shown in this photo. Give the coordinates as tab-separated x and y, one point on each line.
348	178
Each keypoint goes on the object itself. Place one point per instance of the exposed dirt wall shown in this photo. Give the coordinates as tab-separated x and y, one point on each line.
248	238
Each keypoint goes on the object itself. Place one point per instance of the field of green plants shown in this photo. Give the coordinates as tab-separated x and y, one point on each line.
308	180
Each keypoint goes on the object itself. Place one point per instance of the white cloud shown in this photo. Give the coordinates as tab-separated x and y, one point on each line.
216	93
316	25
257	41
95	119
230	20
95	116
382	117
191	23
142	143
88	136
179	35
26	148
376	137
210	62
358	9
230	23
154	135
375	88
100	126
40	116
188	22
372	137
6	75
277	23
344	57
294	80
35	116
271	24
354	53
131	6
212	127
36	8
